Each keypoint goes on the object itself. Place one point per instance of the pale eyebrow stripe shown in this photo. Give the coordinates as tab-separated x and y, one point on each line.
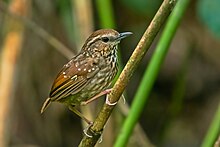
93	39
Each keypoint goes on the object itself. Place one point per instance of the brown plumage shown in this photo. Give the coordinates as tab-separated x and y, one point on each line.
88	73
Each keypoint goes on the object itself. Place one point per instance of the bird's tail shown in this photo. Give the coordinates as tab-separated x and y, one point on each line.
45	105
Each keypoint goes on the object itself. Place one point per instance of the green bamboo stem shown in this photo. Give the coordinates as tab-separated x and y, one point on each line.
105	13
107	20
213	131
151	73
96	129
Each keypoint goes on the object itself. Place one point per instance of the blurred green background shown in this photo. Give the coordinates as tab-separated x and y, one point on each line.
184	98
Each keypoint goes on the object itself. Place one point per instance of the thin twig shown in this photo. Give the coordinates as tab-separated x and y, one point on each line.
60	47
126	74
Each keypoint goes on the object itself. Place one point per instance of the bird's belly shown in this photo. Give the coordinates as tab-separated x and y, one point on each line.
100	82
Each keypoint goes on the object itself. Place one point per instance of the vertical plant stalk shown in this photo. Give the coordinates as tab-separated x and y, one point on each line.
10	52
105	12
84	25
83	20
213	131
151	73
96	129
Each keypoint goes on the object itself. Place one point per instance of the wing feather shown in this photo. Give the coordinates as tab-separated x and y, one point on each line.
71	89
73	78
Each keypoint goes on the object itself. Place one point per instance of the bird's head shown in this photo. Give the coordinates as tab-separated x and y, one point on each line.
104	41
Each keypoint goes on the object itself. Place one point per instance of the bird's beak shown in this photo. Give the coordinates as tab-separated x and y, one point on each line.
124	35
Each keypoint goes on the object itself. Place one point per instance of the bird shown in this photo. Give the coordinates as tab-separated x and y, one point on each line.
89	74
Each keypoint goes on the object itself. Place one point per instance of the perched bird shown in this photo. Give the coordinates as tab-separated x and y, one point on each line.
87	75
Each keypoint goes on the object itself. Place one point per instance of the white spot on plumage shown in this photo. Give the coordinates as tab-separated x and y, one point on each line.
76	64
64	73
79	69
65	76
84	69
89	70
93	68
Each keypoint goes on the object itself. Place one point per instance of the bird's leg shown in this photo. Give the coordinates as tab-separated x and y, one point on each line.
90	123
73	109
107	91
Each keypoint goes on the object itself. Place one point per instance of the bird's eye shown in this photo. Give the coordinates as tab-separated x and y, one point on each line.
105	39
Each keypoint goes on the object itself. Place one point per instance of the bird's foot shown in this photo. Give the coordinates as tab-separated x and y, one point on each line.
109	103
85	131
